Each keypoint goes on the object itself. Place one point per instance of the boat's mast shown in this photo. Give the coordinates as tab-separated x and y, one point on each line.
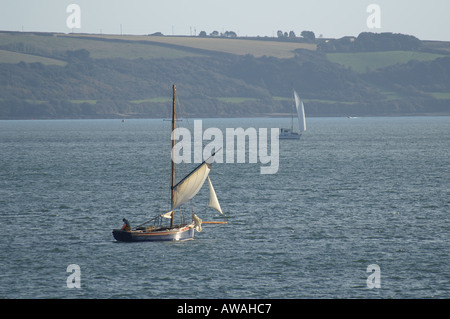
173	164
292	114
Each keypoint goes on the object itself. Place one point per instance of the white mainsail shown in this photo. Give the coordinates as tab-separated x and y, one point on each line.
188	187
213	201
300	112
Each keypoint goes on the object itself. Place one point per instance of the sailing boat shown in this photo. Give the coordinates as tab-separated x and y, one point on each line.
289	133
181	193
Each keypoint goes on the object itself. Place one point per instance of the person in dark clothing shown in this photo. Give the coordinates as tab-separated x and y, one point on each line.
126	225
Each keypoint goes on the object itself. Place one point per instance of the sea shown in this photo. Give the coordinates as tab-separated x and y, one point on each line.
359	208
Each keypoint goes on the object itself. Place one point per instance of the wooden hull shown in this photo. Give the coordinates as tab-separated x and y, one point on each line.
172	234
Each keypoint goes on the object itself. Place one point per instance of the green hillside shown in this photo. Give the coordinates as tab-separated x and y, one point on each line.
46	75
363	62
239	46
16	57
98	47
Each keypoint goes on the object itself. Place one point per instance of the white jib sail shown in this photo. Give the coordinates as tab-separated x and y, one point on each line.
300	112
185	190
213	201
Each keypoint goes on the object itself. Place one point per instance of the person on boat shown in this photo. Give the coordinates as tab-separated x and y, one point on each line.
126	225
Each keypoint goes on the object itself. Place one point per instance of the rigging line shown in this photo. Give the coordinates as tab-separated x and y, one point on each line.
178	118
181	109
168	176
179	115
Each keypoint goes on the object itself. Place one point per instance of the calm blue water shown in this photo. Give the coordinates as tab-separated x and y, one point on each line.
351	193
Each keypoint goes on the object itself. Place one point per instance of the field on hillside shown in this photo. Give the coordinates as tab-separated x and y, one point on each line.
15	57
51	45
363	62
256	48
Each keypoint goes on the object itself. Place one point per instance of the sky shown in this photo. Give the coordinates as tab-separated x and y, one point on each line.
425	19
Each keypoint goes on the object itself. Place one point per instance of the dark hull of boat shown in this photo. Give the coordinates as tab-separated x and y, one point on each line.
290	136
173	234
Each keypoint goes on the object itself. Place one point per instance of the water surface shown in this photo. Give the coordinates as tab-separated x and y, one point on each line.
350	193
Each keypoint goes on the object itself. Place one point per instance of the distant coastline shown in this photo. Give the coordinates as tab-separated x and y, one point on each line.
63	76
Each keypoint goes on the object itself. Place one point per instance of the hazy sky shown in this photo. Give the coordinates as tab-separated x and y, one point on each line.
425	19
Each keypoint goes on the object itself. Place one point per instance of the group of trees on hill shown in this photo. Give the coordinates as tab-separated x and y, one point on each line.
425	76
364	42
306	36
370	42
226	34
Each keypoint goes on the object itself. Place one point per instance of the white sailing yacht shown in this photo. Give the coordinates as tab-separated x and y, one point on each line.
290	134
